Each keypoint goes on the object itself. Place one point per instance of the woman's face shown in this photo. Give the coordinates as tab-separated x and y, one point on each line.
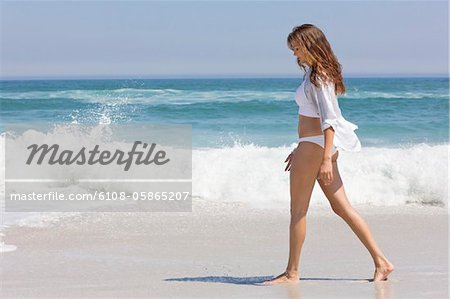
301	55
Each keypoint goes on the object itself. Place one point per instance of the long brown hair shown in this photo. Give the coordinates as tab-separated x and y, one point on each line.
325	64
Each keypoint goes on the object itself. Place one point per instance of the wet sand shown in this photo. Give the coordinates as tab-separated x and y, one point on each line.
224	251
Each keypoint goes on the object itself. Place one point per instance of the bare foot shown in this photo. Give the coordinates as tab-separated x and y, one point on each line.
382	271
283	278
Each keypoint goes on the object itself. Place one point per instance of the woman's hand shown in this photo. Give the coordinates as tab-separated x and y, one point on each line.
326	172
289	160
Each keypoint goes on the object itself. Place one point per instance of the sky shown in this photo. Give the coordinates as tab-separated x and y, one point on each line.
155	39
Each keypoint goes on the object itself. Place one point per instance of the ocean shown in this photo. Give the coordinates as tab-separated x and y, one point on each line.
243	130
223	112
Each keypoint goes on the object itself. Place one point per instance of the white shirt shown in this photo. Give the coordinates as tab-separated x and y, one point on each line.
326	102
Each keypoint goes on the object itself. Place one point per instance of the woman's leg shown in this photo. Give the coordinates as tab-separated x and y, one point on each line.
335	194
303	173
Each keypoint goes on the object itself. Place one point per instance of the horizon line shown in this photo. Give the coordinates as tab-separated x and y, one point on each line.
207	76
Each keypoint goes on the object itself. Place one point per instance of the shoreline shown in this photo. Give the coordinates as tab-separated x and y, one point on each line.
222	250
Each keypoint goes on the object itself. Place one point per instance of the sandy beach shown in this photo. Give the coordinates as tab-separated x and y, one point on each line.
113	110
223	251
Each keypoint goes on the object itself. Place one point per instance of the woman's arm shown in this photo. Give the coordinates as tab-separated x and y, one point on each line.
326	101
329	136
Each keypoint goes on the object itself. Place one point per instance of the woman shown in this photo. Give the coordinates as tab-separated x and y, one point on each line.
321	129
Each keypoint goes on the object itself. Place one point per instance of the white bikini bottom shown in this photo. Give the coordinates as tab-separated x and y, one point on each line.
317	139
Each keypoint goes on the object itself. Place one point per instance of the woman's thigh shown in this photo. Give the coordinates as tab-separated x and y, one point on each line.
303	173
335	192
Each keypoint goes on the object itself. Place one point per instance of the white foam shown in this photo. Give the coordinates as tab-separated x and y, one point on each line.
7	248
151	96
179	97
374	176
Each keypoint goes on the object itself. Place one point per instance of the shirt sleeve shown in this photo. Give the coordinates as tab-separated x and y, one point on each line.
327	104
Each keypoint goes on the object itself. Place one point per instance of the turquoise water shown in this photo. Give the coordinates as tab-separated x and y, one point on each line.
243	130
223	112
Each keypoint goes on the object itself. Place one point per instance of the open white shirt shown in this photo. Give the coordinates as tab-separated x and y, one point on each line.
326	102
